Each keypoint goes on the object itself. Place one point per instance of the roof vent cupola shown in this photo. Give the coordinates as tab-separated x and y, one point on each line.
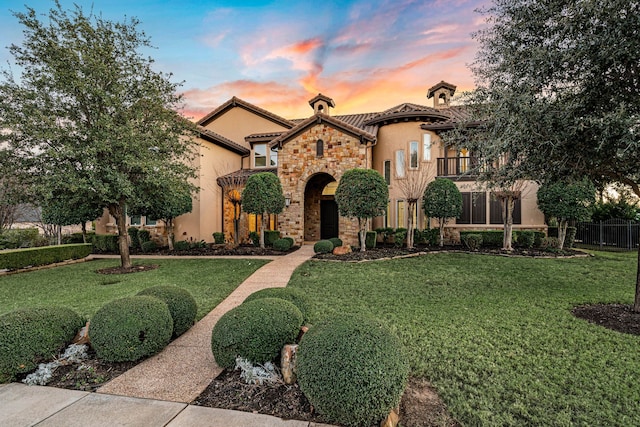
441	94
321	104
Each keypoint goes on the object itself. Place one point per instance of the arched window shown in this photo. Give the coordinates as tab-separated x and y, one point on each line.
320	148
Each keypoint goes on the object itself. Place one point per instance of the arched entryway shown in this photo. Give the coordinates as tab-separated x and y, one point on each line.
321	220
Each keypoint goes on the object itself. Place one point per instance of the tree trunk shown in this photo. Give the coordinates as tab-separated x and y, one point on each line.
562	232
264	227
84	232
362	233
442	223
507	208
169	225
411	206
636	304
236	224
59	234
117	211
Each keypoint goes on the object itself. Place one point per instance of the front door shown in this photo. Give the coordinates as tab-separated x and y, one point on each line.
328	219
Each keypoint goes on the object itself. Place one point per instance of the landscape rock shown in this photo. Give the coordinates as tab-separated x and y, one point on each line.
82	337
287	363
392	419
342	250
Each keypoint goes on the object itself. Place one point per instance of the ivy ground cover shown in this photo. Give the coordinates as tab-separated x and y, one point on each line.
496	335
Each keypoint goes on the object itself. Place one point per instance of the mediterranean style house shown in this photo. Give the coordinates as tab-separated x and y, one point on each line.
310	155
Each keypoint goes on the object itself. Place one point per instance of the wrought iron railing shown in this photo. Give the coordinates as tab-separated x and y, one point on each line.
456	166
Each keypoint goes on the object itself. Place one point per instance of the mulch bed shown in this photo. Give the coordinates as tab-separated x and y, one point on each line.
133	269
226	250
617	317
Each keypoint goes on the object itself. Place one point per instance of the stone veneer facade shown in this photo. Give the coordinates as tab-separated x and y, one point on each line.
298	165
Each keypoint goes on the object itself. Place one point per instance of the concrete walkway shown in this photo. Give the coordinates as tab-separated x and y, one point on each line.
186	366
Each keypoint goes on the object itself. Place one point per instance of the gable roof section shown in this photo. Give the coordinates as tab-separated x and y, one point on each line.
406	112
442	84
459	116
237	102
220	140
320	118
240	176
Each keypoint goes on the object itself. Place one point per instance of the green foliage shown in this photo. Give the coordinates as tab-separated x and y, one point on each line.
323	247
431	236
270	236
473	241
105	243
255	238
442	200
263	194
616	209
181	245
76	238
29	336
370	239
490	238
352	370
19	238
386	234
59	208
294	296
21	258
570	238
218	238
567	201
149	246
181	305
336	242
131	328
290	239
525	239
133	236
256	330
143	236
362	193
399	236
282	245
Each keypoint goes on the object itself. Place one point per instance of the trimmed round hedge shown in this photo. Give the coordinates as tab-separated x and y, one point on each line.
323	247
282	245
31	335
182	306
255	330
336	242
131	328
352	370
294	296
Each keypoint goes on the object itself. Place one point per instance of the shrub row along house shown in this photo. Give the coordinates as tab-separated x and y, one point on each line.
310	155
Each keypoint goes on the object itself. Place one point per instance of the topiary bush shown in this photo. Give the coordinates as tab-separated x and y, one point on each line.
352	370
282	245
370	239
218	238
472	241
182	306
293	242
270	236
526	239
31	335
149	246
255	330
323	247
255	238
131	328
294	296
336	242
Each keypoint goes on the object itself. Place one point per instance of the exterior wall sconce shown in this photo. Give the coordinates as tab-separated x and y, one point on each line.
287	199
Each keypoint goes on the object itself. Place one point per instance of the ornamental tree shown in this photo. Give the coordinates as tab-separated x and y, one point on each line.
567	201
362	194
91	113
442	200
69	209
262	195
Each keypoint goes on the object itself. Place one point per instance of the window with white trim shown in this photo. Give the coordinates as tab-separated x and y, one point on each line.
426	147
413	155
400	165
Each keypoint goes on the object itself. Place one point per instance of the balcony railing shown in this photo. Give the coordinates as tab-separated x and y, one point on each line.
457	166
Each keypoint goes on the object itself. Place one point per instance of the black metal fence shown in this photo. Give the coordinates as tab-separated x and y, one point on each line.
610	234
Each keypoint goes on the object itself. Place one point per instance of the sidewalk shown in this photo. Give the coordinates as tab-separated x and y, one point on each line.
157	391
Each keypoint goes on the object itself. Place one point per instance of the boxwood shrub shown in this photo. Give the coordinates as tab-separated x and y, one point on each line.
131	328
352	370
323	247
270	236
181	245
255	330
336	242
105	243
525	238
282	245
218	238
149	246
294	296
181	304
21	258
20	238
472	241
490	238
31	335
399	237
370	239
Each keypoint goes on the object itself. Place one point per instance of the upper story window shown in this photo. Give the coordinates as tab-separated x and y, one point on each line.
319	148
263	157
426	147
387	171
413	155
400	164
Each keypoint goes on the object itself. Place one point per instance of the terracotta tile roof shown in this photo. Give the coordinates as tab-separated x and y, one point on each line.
241	176
458	114
220	140
237	102
323	118
262	137
409	111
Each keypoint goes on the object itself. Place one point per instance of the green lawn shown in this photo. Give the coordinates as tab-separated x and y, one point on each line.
495	335
79	287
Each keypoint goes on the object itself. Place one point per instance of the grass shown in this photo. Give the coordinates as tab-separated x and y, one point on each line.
496	335
79	287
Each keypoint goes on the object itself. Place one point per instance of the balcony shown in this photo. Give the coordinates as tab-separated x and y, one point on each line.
459	168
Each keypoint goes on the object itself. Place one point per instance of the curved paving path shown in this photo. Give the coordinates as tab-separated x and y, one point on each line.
186	366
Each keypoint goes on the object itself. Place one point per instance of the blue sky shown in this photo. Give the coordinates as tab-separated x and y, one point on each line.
366	55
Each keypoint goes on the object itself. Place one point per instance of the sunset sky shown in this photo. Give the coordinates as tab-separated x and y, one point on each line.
366	55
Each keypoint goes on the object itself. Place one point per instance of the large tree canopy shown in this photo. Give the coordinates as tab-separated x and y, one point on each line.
362	194
92	112
558	89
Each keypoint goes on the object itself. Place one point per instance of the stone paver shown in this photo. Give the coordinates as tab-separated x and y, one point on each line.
198	416
186	367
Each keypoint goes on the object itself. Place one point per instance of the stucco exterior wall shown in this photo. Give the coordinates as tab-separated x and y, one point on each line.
236	123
